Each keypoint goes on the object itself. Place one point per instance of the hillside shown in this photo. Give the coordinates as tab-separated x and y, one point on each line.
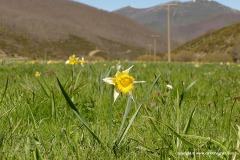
60	28
221	43
188	19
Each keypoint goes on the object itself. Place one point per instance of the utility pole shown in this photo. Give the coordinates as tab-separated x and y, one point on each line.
45	55
155	46
149	49
169	31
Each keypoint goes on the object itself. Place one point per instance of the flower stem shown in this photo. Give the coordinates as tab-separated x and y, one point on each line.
110	119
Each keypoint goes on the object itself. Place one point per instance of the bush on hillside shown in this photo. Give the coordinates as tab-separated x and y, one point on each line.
148	58
184	56
235	53
216	58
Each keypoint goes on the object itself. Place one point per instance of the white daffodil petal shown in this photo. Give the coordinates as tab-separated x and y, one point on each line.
127	70
67	62
117	73
116	94
118	67
139	82
109	80
169	86
118	70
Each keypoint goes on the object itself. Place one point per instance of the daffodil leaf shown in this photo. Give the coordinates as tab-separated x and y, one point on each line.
118	142
127	109
78	114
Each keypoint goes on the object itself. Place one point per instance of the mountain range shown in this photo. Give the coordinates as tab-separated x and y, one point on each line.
189	20
59	28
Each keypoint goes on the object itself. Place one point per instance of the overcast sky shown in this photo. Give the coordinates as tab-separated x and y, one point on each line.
111	5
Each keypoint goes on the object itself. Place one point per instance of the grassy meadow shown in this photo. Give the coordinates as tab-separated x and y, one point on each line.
68	112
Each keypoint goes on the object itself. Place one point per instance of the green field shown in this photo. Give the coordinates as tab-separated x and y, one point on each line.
197	119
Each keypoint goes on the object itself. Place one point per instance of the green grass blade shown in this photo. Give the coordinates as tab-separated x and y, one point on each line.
150	89
184	92
142	146
156	128
44	90
177	134
178	119
14	129
5	90
7	112
75	110
27	148
108	72
189	87
238	143
78	75
186	128
37	154
207	139
2	136
45	83
54	112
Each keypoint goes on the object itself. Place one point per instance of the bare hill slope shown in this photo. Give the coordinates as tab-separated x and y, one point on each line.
46	21
225	41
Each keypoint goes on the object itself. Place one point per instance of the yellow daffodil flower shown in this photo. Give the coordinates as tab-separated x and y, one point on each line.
49	62
72	60
82	61
32	62
197	65
37	74
123	83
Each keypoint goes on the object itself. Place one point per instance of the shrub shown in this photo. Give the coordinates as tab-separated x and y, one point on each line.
216	58
148	58
184	56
